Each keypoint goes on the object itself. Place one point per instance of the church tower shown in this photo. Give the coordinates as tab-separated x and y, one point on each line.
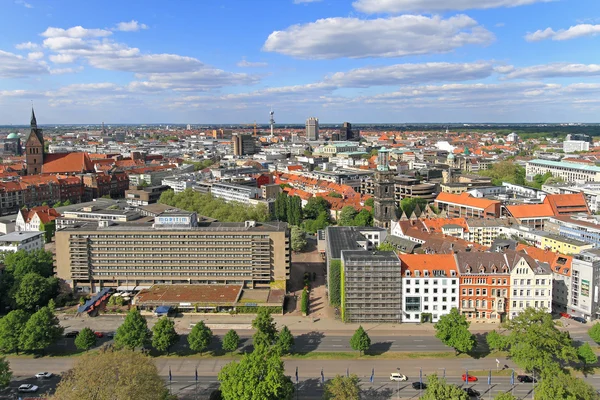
34	148
384	201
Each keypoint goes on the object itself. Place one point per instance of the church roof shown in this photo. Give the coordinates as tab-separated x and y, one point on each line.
61	163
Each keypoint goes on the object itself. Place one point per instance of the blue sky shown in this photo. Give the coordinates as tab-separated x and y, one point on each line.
230	61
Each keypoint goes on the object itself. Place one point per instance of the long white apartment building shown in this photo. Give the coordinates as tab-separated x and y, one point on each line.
234	192
567	171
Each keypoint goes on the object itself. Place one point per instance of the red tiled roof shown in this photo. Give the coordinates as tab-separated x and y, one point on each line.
524	211
567	203
67	163
429	262
466	199
559	263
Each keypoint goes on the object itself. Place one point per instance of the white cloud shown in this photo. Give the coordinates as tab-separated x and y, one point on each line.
574	32
400	6
15	66
249	64
61	71
36	55
201	79
383	37
131	26
27	46
75	32
553	70
411	74
23	3
62	58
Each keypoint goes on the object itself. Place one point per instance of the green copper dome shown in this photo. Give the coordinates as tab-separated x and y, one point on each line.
12	136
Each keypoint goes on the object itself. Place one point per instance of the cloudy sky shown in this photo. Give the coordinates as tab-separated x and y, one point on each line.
230	61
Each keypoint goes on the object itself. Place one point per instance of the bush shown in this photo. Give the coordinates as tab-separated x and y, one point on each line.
254	310
335	283
304	303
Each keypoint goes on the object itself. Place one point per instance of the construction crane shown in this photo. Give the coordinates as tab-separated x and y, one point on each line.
254	125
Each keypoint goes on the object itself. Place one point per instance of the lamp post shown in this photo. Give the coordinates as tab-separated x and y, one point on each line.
444	376
398	383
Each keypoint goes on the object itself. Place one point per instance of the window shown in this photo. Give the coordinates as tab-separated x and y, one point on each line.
477	292
464	292
528	292
484	292
408	280
493	292
444	308
453	299
528	282
416	290
407	290
470	292
514	303
514	292
434	307
520	304
412	304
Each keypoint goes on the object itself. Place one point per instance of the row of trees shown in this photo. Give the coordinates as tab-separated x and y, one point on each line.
350	217
20	331
207	205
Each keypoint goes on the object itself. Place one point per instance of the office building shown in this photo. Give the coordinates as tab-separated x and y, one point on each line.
346	132
371	286
571	146
568	171
585	280
178	248
243	145
234	192
145	195
312	128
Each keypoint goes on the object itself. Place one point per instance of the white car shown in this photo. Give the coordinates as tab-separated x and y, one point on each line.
43	375
28	388
396	377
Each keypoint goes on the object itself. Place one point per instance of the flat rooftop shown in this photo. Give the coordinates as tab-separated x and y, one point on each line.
202	226
176	294
345	238
19	236
370	256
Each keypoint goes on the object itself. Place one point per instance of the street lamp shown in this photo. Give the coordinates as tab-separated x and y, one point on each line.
444	372
398	383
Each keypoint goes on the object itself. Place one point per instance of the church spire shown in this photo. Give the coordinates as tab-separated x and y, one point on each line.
33	120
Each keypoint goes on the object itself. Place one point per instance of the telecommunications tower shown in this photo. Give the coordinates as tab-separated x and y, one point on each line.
272	121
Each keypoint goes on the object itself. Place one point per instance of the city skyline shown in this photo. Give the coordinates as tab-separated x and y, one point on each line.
364	61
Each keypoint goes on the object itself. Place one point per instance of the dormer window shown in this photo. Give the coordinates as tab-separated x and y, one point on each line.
407	273
426	273
481	269
416	273
504	269
468	269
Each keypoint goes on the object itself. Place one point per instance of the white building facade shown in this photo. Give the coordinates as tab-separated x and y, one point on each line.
531	286
27	241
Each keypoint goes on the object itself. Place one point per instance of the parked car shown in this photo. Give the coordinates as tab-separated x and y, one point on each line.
565	315
419	386
471	378
99	334
72	334
28	388
580	319
110	335
526	379
43	375
471	392
396	377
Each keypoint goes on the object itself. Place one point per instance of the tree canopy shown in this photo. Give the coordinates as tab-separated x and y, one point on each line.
231	341
586	354
11	328
342	388
409	204
315	206
505	171
133	332
163	334
594	332
438	389
453	330
298	238
259	375
33	291
22	262
360	341
5	373
41	330
346	217
123	375
86	339
200	337
285	340
265	326
207	205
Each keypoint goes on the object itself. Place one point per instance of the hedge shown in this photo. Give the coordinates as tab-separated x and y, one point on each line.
304	304
254	310
334	283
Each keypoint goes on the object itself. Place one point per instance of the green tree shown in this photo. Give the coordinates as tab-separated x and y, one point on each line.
85	340
315	206
534	342
67	203
453	330
5	373
409	204
363	218
281	202
298	238
505	396
386	246
505	171
259	375
586	355
133	332
347	215
437	389
126	375
294	210
32	292
335	277
562	385
594	332
342	388
48	230
11	328
304	301
314	225
336	195
285	340
231	341
495	341
21	263
41	330
360	341
265	327
370	202
200	337
164	335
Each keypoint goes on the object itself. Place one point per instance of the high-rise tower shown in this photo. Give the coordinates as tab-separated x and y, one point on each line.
383	201
312	128
34	148
272	121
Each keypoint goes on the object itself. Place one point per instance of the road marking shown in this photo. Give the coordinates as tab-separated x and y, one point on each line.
417	340
336	340
337	345
421	345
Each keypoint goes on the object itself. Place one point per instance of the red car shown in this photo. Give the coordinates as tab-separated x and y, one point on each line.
565	315
471	378
99	334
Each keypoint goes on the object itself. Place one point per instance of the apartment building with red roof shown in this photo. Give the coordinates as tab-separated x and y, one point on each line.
554	205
